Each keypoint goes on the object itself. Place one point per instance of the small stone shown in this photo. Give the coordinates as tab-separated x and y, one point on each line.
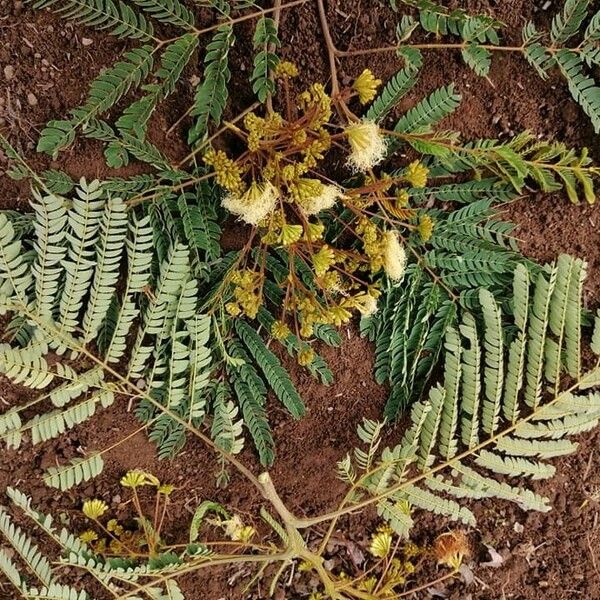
518	528
32	99
87	41
9	72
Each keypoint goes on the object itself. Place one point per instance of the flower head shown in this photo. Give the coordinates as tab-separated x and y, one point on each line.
451	548
366	85
285	70
280	330
253	205
93	509
133	479
89	536
367	144
381	544
416	174
329	195
366	304
166	489
394	260
425	227
237	531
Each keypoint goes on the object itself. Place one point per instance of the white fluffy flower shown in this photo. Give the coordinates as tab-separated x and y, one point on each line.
367	305
367	143
394	258
329	195
253	205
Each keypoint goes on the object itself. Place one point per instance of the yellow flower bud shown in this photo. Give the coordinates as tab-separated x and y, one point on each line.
93	509
416	174
366	86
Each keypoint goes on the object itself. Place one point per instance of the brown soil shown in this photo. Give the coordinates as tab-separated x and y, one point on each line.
554	555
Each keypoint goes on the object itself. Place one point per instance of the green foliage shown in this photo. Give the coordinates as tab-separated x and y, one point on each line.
550	165
490	406
212	94
430	111
469	249
265	60
567	23
583	88
76	472
115	16
395	89
106	90
172	12
474	30
92	267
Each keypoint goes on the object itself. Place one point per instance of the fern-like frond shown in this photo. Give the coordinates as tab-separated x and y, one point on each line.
568	22
139	260
14	268
430	111
212	94
50	222
105	91
158	317
115	16
27	550
583	88
251	396
276	376
172	12
265	41
83	219
53	424
226	429
56	591
481	425
76	472
109	247
395	89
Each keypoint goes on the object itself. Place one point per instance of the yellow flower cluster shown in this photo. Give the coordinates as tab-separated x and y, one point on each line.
227	172
247	292
416	174
285	70
425	227
366	86
134	479
94	509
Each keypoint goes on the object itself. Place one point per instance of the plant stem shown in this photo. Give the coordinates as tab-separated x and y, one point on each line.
331	50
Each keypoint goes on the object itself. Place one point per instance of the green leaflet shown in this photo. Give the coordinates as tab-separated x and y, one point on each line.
78	471
395	89
265	60
212	94
116	16
275	375
172	12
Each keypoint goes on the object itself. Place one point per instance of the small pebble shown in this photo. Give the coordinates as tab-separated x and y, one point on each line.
31	99
87	41
9	72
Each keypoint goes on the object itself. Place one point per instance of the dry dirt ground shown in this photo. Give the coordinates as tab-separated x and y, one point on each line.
45	69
